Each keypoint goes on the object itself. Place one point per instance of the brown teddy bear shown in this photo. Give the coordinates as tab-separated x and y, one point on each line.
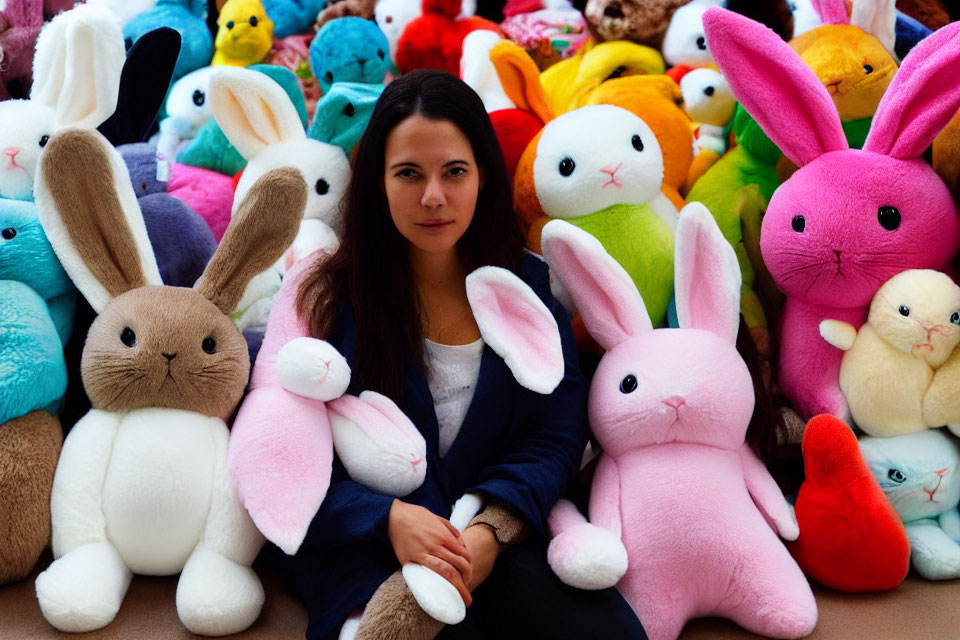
344	8
643	21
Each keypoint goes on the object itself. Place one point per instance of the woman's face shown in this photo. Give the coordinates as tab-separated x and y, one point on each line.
431	180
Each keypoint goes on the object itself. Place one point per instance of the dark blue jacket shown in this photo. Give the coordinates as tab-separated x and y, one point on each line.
516	446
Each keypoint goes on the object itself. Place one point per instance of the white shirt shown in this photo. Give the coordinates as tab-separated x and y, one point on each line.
452	372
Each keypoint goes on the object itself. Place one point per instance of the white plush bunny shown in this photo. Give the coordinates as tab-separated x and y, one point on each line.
142	484
125	10
685	43
392	17
77	66
478	71
188	109
708	100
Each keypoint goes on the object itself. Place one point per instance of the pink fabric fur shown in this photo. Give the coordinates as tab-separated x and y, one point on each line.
20	23
281	450
831	11
207	192
697	512
825	236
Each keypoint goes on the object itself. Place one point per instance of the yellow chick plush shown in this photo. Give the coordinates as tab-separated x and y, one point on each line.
245	34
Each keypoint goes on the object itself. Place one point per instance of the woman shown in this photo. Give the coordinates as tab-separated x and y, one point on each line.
429	202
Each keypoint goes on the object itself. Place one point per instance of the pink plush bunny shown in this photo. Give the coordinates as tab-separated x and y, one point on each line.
680	506
847	221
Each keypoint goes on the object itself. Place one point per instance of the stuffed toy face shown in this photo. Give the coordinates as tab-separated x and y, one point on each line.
685	43
392	17
25	127
188	99
643	21
594	157
707	97
245	33
349	50
918	312
917	472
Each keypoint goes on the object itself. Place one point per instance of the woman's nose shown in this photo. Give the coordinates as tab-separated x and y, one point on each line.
433	194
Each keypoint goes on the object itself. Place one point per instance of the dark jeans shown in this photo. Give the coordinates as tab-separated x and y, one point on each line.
523	598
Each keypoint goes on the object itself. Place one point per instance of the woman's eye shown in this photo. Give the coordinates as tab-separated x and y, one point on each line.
458	171
407	173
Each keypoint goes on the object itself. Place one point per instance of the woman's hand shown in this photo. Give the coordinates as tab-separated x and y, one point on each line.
420	536
484	549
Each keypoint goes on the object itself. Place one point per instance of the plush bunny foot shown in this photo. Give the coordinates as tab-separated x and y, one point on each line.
587	557
83	590
934	555
393	612
216	596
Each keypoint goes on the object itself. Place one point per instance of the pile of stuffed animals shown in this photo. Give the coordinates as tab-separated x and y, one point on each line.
788	175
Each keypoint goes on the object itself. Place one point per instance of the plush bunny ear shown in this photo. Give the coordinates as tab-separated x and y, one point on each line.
520	79
143	86
518	326
922	98
774	85
252	110
89	212
608	301
706	275
831	11
261	229
77	66
878	18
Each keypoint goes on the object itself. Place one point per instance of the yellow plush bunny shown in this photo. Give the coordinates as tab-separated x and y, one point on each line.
245	34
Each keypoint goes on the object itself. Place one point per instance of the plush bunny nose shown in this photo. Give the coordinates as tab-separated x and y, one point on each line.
675	401
169	356
940	472
11	151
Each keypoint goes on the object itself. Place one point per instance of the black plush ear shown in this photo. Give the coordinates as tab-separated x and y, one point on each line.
143	86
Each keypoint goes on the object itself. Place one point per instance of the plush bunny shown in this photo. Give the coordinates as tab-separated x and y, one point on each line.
244	34
125	10
684	43
84	38
342	115
919	475
185	17
847	220
477	70
187	111
392	16
708	100
673	441
889	364
349	50
142	483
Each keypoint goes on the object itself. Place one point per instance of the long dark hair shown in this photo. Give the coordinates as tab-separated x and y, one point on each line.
371	269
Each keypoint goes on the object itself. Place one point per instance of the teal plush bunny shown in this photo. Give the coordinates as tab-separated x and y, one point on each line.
343	113
920	475
349	49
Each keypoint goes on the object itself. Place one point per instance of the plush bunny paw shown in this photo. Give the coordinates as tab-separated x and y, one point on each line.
437	597
313	369
217	596
83	590
377	443
588	557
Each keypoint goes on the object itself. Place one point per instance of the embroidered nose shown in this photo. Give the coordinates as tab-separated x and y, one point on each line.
416	462
169	356
675	401
11	151
940	472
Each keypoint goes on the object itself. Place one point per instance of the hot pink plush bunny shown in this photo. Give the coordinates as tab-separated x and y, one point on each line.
680	506
847	221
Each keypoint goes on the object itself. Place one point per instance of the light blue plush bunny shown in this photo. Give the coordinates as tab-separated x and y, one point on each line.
920	475
37	302
343	113
26	256
349	49
185	17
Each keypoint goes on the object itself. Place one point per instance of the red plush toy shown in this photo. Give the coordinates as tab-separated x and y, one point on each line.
851	539
434	40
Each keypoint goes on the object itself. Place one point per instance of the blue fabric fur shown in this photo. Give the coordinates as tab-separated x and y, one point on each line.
343	113
349	49
908	32
291	17
185	17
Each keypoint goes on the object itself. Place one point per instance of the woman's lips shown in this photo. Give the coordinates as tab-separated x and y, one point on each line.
433	225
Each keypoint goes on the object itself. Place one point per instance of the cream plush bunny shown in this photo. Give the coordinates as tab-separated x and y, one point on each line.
142	483
889	364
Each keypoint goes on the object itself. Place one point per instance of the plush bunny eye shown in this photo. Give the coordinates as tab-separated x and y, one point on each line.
904	310
44	140
380	54
230	24
349	110
889	218
619	71
567	165
628	384
128	337
199	97
636	142
388	19
9	233
799	223
322	187
702	43
709	91
867	69
328	76
253	21
209	345
955	318
897	476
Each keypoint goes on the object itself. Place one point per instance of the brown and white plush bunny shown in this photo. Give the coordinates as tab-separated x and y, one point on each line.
142	483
